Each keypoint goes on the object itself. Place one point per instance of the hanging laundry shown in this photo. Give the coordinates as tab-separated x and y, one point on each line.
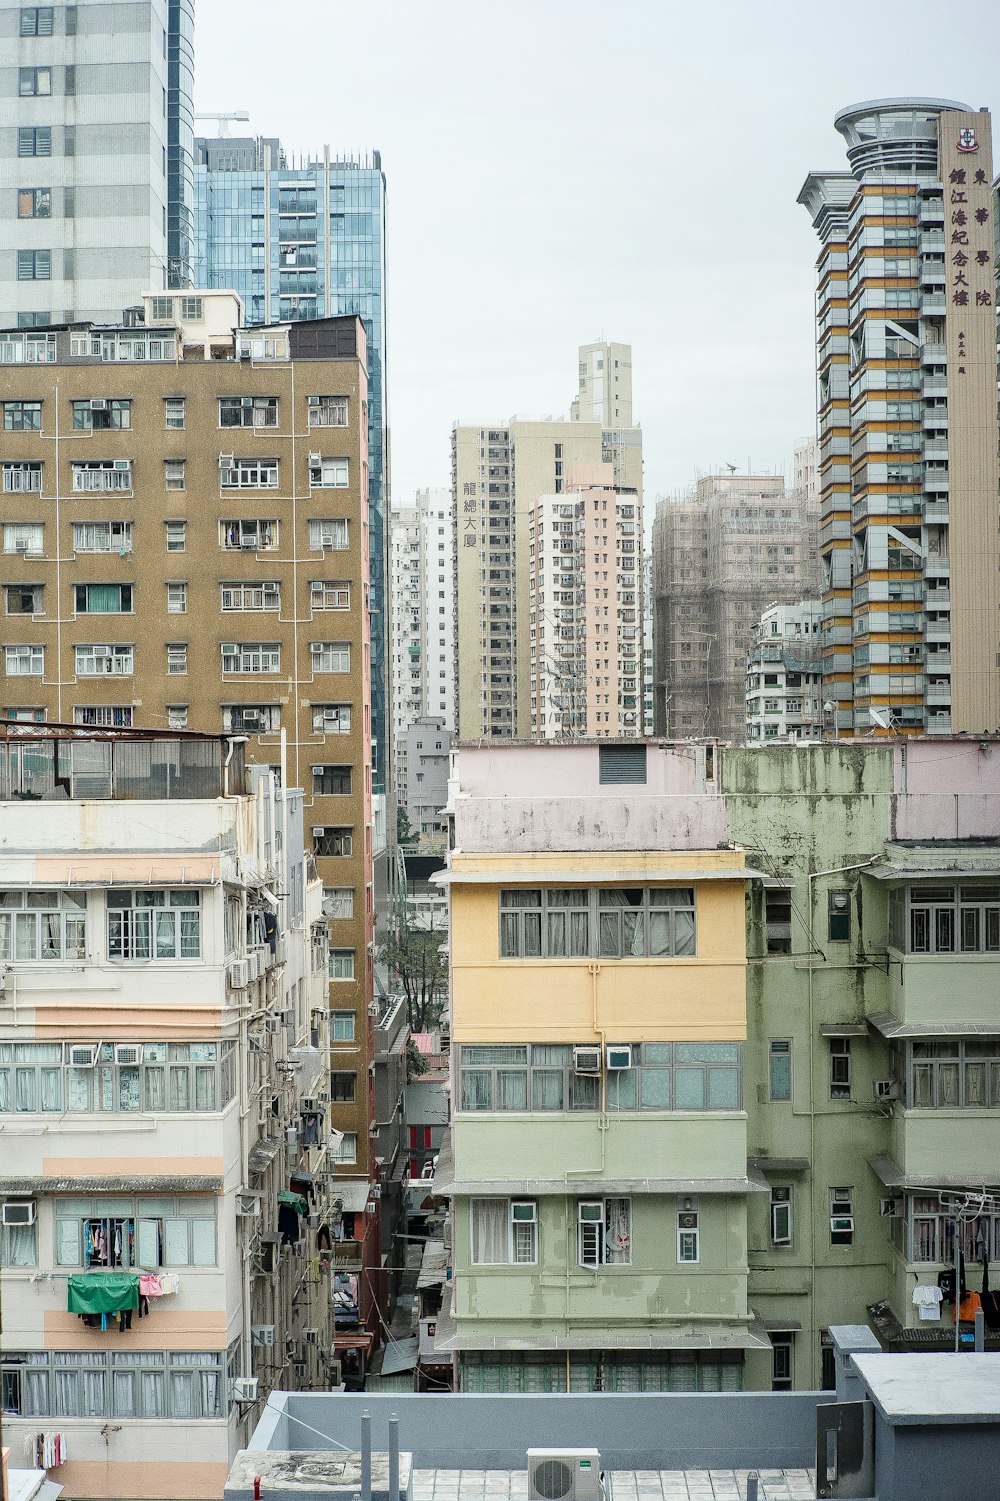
149	1285
170	1283
927	1301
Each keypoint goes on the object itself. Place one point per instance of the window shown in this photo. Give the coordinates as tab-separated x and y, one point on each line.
331	841
150	1233
343	1087
147	924
780	1072
176	536
688	1232
34	140
22	416
95	415
105	660
656	922
621	764
250	657
107	716
248	536
504	1232
177	658
192	309
176	599
338	901
34	265
102	474
604	1232
36	20
345	1150
841	1216
18	1248
173	406
41	925
248	411
249	474
329	534
341	1026
341	964
327	411
102	536
331	719
328	474
781	1361
945	919
25	599
173	474
251	719
840	1068
949	1074
251	596
23	536
34	82
102	599
330	656
177	716
331	781
839	915
134	1384
161	309
778	921
325	595
20	479
781	1216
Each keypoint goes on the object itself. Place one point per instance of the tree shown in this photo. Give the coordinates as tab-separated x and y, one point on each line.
416	1063
417	957
404	833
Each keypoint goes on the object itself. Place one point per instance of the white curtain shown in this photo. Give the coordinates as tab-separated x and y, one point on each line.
21	1245
618	1232
489	1232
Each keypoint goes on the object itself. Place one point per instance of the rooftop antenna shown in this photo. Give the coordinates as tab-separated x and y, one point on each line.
223	120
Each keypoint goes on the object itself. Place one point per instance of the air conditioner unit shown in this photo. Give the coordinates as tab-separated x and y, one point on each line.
247	1204
373	1008
891	1208
245	1388
252	962
273	1024
318	832
83	1054
19	1212
21	544
101	651
99	404
317	771
315	458
311	1336
121	464
885	1089
292	1139
280	951
564	1475
128	1054
248	543
619	1055
376	1190
226	460
239	974
262	1334
587	1060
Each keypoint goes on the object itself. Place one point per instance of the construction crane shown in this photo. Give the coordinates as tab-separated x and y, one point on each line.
223	120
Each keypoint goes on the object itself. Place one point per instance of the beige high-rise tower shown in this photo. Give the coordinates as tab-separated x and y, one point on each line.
499	473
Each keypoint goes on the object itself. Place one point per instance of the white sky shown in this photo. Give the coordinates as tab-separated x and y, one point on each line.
563	170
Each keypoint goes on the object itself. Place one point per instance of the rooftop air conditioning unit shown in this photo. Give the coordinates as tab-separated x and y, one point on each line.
247	1204
83	1054
128	1054
262	1334
587	1060
564	1475
245	1388
19	1212
885	1090
619	1055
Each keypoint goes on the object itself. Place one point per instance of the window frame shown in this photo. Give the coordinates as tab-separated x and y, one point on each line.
841	1068
778	1048
781	1217
526	1216
125	938
842	1222
599	1255
688	1236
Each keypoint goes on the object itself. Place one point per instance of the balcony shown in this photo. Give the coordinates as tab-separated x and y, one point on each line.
941	1146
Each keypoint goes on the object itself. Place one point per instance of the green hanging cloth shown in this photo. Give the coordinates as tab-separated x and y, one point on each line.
294	1201
103	1292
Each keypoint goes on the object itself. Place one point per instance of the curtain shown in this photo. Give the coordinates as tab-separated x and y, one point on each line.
180	1089
51	923
156	1093
923	1085
103	599
25	1089
618	1232
547	1089
166	935
204	1088
151	1394
26	936
489	1232
51	1080
684	934
975	1085
6	1092
182	1394
123	1394
475	1089
659	934
34	1394
948	1084
21	1245
512	1089
64	1393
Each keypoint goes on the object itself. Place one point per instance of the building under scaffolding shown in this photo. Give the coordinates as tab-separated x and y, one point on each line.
721	555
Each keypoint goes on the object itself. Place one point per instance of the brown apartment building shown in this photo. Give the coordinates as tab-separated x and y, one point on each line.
185	545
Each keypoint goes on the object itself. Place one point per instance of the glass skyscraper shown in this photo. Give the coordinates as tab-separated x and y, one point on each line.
307	241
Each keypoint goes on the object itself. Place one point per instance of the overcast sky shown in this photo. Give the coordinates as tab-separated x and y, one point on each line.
563	170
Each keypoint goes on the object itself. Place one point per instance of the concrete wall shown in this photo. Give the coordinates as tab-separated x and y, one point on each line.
641	1431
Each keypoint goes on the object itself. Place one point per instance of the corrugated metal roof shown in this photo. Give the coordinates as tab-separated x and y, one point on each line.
352	1193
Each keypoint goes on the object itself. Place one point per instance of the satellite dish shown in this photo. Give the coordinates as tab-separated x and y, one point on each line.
881	717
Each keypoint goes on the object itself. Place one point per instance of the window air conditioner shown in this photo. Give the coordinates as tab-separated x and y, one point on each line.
245	1388
19	1212
885	1089
315	458
373	1008
564	1475
99	404
121	464
247	1204
21	544
318	832
587	1060
226	460
262	1334
890	1208
83	1055
619	1055
128	1054
317	771
273	1024
311	1336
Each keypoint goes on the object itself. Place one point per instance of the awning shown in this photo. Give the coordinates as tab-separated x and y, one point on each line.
595	877
433	1265
888	1172
680	1336
963	869
781	1326
891	1027
400	1355
780	1165
102	1292
114	1183
263	1154
843	1029
351	1193
361	1339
